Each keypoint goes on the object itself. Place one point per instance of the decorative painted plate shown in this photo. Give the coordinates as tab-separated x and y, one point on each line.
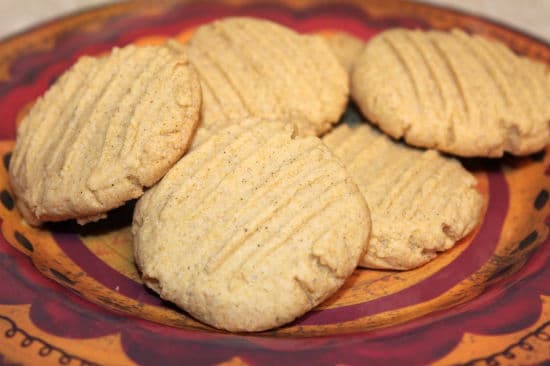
487	301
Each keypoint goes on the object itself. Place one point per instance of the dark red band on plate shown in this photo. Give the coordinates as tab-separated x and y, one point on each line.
101	272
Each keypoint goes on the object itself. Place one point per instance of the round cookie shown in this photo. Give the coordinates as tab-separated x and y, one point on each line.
421	202
106	129
253	67
462	94
252	228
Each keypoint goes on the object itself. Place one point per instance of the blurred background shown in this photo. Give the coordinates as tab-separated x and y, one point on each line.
532	16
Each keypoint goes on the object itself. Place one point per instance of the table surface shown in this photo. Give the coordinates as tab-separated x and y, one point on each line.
530	16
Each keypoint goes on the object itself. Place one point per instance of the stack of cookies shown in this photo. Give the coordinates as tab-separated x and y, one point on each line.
253	206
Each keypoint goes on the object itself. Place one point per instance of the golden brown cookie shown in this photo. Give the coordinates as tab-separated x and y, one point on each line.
253	67
252	228
421	203
346	48
106	129
462	94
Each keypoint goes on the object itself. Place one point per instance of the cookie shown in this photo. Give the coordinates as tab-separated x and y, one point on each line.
461	94
107	128
345	47
253	67
421	202
252	228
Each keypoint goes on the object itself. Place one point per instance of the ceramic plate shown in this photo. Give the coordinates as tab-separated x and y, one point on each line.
486	301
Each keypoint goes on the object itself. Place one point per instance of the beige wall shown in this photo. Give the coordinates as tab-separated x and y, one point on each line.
532	16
